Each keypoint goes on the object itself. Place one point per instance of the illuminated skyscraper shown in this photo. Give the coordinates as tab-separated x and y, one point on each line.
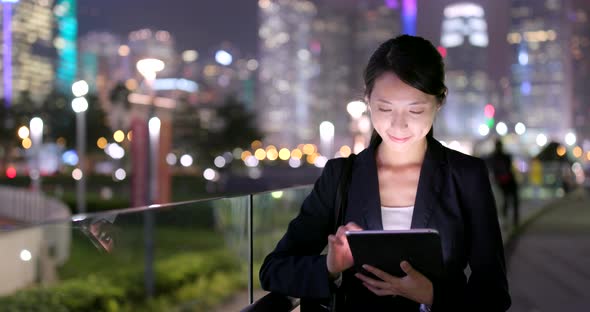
287	66
312	60
541	69
345	35
100	60
464	41
27	49
65	42
580	52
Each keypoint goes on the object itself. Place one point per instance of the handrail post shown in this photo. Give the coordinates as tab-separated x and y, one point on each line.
251	248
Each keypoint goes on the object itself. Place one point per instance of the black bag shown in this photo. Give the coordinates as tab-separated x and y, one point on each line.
341	203
277	302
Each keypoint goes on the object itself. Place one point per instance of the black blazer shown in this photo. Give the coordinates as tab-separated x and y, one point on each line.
454	196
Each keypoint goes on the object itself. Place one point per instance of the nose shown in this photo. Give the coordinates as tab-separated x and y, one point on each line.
398	120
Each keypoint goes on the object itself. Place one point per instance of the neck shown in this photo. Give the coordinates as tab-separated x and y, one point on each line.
392	158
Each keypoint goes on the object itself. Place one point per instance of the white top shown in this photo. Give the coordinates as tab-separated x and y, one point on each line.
397	218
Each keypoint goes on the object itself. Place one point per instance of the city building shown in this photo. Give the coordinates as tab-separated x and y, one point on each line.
541	71
308	74
464	42
580	54
287	67
27	53
101	64
65	42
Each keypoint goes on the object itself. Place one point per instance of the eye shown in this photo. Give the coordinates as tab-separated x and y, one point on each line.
416	112
384	109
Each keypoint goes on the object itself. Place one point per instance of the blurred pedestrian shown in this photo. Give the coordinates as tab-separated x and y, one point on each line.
501	163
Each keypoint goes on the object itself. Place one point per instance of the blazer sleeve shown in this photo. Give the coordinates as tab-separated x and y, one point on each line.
295	267
487	287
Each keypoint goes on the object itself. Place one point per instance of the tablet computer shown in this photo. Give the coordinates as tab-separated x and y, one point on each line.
385	250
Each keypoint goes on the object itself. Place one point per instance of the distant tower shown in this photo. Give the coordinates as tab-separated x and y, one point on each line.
345	35
26	49
100	63
287	66
465	38
580	51
541	68
67	34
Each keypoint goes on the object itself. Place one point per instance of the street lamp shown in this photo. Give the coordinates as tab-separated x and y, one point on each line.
36	129
79	106
360	124
327	138
149	68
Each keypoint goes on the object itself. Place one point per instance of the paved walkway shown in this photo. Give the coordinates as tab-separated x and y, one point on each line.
549	262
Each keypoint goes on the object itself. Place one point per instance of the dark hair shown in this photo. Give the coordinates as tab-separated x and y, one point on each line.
414	60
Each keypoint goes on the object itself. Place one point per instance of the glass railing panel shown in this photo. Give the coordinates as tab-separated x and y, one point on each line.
272	212
188	257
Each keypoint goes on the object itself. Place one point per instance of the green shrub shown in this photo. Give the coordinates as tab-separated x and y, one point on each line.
198	279
91	294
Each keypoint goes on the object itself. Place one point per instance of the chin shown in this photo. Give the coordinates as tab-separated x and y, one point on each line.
397	146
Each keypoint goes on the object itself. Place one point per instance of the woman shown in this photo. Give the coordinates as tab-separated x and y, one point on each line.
404	179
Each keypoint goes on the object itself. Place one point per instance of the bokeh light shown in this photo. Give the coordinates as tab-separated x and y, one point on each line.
119	136
260	154
296	154
577	152
284	154
345	151
27	143
11	172
77	174
186	160
256	144
101	143
23	132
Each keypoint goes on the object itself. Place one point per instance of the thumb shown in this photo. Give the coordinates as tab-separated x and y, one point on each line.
407	268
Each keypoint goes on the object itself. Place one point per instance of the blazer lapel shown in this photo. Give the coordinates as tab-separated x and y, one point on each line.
429	184
364	204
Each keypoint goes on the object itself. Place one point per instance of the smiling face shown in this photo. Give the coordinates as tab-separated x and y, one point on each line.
401	115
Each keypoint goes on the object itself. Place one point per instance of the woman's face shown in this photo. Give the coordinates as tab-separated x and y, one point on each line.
401	114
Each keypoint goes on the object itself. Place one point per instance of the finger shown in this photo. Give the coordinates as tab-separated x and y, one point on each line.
333	240
351	226
378	291
407	268
341	232
380	274
372	282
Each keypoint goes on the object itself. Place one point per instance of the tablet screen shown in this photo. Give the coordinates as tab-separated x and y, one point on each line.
385	250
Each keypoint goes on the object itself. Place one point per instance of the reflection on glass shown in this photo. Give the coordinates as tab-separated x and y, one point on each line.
99	231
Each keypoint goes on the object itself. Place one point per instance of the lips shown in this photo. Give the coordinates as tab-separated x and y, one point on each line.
398	140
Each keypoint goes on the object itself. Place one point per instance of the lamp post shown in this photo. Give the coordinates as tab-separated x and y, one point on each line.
149	68
327	138
36	127
80	105
359	127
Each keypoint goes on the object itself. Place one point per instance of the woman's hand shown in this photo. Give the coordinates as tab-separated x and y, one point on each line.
339	255
413	286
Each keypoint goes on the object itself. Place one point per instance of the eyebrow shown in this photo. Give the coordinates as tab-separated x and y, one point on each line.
413	103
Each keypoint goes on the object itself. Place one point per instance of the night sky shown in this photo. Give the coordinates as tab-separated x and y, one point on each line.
204	24
196	24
